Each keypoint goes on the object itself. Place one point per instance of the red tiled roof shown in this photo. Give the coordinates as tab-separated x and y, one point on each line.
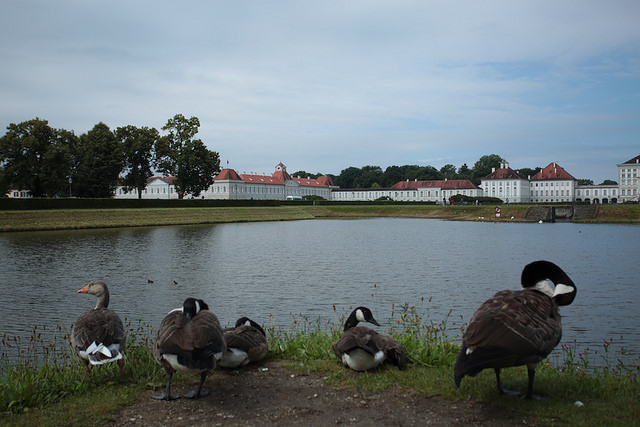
553	171
636	159
445	184
503	173
167	179
228	174
278	178
261	179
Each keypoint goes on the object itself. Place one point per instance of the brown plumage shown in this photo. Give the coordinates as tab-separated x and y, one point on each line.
515	328
98	335
189	339
246	343
361	348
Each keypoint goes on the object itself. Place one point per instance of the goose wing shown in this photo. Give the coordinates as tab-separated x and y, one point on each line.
522	323
102	326
392	349
357	337
248	339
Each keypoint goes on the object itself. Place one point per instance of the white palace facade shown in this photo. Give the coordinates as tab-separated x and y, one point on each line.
552	184
228	184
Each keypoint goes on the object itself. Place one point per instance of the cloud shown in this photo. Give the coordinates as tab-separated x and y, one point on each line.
323	86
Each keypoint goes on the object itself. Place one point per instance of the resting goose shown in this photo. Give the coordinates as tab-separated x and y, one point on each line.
189	339
246	343
98	335
361	348
516	328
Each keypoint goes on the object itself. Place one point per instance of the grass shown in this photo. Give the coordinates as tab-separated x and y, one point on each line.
62	219
48	385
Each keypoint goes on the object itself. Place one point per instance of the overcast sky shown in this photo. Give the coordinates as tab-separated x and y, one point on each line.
325	85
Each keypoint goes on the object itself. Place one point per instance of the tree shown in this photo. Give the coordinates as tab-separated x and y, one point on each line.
609	182
391	176
484	165
464	172
304	174
36	157
100	162
179	154
138	149
369	175
585	182
347	177
448	172
527	172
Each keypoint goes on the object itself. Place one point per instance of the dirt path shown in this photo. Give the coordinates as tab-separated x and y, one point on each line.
271	395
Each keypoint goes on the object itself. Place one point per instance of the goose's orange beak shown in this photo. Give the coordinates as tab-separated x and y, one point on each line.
84	290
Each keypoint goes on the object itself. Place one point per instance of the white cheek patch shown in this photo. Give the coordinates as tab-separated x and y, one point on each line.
247	323
562	289
197	307
360	315
545	287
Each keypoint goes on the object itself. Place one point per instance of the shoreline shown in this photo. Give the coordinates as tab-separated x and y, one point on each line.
76	219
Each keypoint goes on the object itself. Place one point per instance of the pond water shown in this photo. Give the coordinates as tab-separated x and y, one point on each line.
275	272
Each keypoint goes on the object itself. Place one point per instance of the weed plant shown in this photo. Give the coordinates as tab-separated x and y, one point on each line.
602	380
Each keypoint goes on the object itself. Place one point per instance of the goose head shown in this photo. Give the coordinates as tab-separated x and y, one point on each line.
360	314
193	306
245	321
99	289
540	275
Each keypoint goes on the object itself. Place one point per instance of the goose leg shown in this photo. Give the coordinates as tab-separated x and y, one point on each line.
193	394
503	390
167	392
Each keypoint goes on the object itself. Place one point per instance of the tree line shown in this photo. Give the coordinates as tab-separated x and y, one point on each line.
52	162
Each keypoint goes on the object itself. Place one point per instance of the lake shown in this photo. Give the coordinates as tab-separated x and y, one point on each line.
274	272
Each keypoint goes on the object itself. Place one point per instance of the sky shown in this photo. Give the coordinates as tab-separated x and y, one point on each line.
325	85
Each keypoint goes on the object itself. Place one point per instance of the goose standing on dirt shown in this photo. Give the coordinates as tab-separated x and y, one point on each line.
516	328
246	343
361	348
189	339
98	335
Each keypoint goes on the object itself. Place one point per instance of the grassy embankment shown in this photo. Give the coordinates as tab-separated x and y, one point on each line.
49	387
57	392
109	218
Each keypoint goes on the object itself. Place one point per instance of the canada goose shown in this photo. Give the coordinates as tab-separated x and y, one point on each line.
516	328
246	343
98	335
361	348
189	339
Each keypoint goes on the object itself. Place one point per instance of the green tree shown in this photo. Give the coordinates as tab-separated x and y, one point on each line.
609	182
100	163
449	171
369	175
179	154
464	172
391	176
483	166
527	172
35	157
304	174
585	182
138	147
348	177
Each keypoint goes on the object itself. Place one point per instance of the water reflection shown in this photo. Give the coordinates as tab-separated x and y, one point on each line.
271	270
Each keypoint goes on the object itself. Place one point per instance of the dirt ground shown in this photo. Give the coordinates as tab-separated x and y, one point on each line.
271	395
